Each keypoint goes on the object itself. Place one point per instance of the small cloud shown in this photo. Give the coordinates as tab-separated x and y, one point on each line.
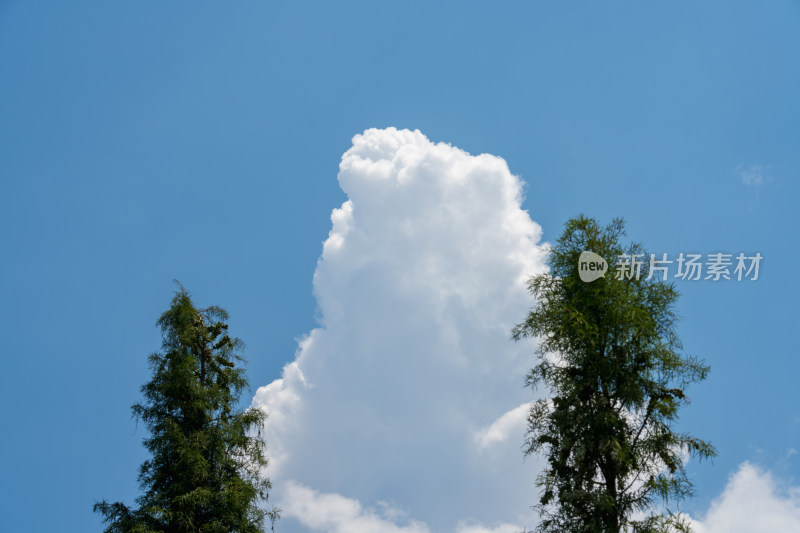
511	423
754	175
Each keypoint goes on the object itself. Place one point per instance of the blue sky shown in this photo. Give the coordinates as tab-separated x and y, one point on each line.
142	142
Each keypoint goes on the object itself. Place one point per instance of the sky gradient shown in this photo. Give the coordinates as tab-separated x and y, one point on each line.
145	142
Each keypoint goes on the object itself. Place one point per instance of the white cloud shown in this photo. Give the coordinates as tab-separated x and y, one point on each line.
373	427
754	175
752	502
511	424
502	528
337	514
419	284
281	400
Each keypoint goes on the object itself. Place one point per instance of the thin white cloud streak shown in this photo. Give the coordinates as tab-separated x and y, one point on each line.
420	282
502	528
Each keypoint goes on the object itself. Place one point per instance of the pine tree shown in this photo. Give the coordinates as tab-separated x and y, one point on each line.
206	460
612	363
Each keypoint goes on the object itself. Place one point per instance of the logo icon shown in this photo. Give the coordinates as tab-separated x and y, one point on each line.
591	266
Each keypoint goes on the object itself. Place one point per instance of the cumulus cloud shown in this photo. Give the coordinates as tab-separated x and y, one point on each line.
752	502
404	410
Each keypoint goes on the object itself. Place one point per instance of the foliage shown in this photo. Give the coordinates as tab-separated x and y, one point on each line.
206	455
612	363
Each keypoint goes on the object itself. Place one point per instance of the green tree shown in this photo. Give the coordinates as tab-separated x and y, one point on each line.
206	460
612	365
